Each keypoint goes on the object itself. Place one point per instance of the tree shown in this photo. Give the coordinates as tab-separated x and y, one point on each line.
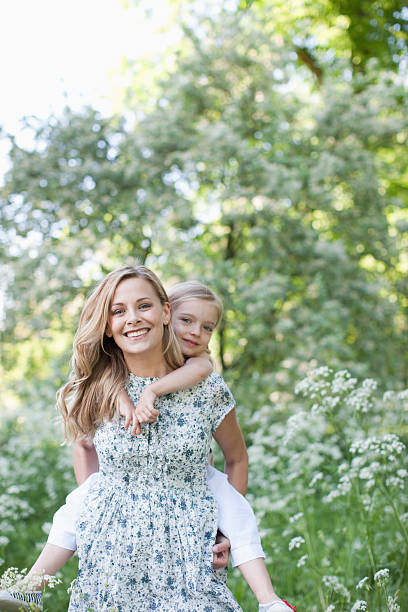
354	29
277	197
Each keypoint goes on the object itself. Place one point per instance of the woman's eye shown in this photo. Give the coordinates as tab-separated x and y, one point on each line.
118	311
185	320
144	306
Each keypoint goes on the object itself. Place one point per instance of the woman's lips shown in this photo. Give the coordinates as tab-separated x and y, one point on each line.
136	334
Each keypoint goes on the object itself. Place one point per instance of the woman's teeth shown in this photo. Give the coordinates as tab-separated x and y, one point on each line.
135	334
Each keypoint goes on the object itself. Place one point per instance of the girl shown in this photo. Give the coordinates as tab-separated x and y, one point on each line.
196	311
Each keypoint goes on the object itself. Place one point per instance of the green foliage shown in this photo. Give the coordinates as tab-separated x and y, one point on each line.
358	30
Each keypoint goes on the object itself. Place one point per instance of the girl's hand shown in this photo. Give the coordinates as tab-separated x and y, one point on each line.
221	551
145	411
127	410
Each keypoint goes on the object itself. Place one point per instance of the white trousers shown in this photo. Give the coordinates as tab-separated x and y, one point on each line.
236	519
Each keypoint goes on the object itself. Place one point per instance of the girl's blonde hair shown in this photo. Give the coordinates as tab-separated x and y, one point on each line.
190	290
99	371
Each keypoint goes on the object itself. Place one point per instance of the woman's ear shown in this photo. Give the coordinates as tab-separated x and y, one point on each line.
108	332
166	313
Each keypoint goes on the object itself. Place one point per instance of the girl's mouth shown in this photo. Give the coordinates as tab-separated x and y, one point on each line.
190	342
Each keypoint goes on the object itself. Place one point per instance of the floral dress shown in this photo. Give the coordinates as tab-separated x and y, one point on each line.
148	524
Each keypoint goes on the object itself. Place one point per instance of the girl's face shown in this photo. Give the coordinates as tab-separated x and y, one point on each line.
135	322
193	322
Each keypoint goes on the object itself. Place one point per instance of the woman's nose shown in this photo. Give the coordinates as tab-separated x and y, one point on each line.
132	316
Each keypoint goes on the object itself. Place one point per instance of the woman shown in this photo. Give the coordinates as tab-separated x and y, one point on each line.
149	522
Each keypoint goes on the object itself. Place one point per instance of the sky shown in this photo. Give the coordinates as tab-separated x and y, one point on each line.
58	52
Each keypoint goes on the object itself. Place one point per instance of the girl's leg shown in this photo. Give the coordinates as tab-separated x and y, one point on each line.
256	575
51	559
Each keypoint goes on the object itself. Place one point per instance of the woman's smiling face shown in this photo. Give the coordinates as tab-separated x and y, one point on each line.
135	322
193	322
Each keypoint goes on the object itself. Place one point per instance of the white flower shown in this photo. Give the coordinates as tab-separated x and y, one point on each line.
334	584
295	517
318	476
393	604
302	560
363	583
359	605
296	542
382	577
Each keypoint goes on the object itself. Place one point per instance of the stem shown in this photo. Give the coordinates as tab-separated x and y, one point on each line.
402	570
391	502
364	517
310	550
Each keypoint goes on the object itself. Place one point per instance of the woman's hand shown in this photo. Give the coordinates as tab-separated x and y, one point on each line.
221	551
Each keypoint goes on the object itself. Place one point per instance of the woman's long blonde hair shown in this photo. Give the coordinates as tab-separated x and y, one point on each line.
99	371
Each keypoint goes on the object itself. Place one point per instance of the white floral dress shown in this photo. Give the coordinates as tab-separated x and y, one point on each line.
148	524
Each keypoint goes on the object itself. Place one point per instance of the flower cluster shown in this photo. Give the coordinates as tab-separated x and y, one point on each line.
333	584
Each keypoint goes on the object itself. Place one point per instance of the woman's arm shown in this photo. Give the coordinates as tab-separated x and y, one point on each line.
85	460
229	437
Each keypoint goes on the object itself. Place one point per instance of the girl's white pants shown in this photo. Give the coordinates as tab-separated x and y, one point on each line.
236	519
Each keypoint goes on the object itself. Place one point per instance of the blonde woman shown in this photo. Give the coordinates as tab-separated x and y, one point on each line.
148	523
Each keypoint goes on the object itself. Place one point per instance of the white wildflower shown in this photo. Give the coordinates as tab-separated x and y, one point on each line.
393	604
296	542
395	482
343	487
52	581
10	577
331	608
295	424
295	517
334	584
342	382
318	476
302	560
359	605
363	584
382	577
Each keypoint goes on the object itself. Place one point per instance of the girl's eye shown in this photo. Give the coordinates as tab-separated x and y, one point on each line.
186	319
208	328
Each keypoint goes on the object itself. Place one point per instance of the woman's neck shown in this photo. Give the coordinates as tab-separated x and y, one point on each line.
144	369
